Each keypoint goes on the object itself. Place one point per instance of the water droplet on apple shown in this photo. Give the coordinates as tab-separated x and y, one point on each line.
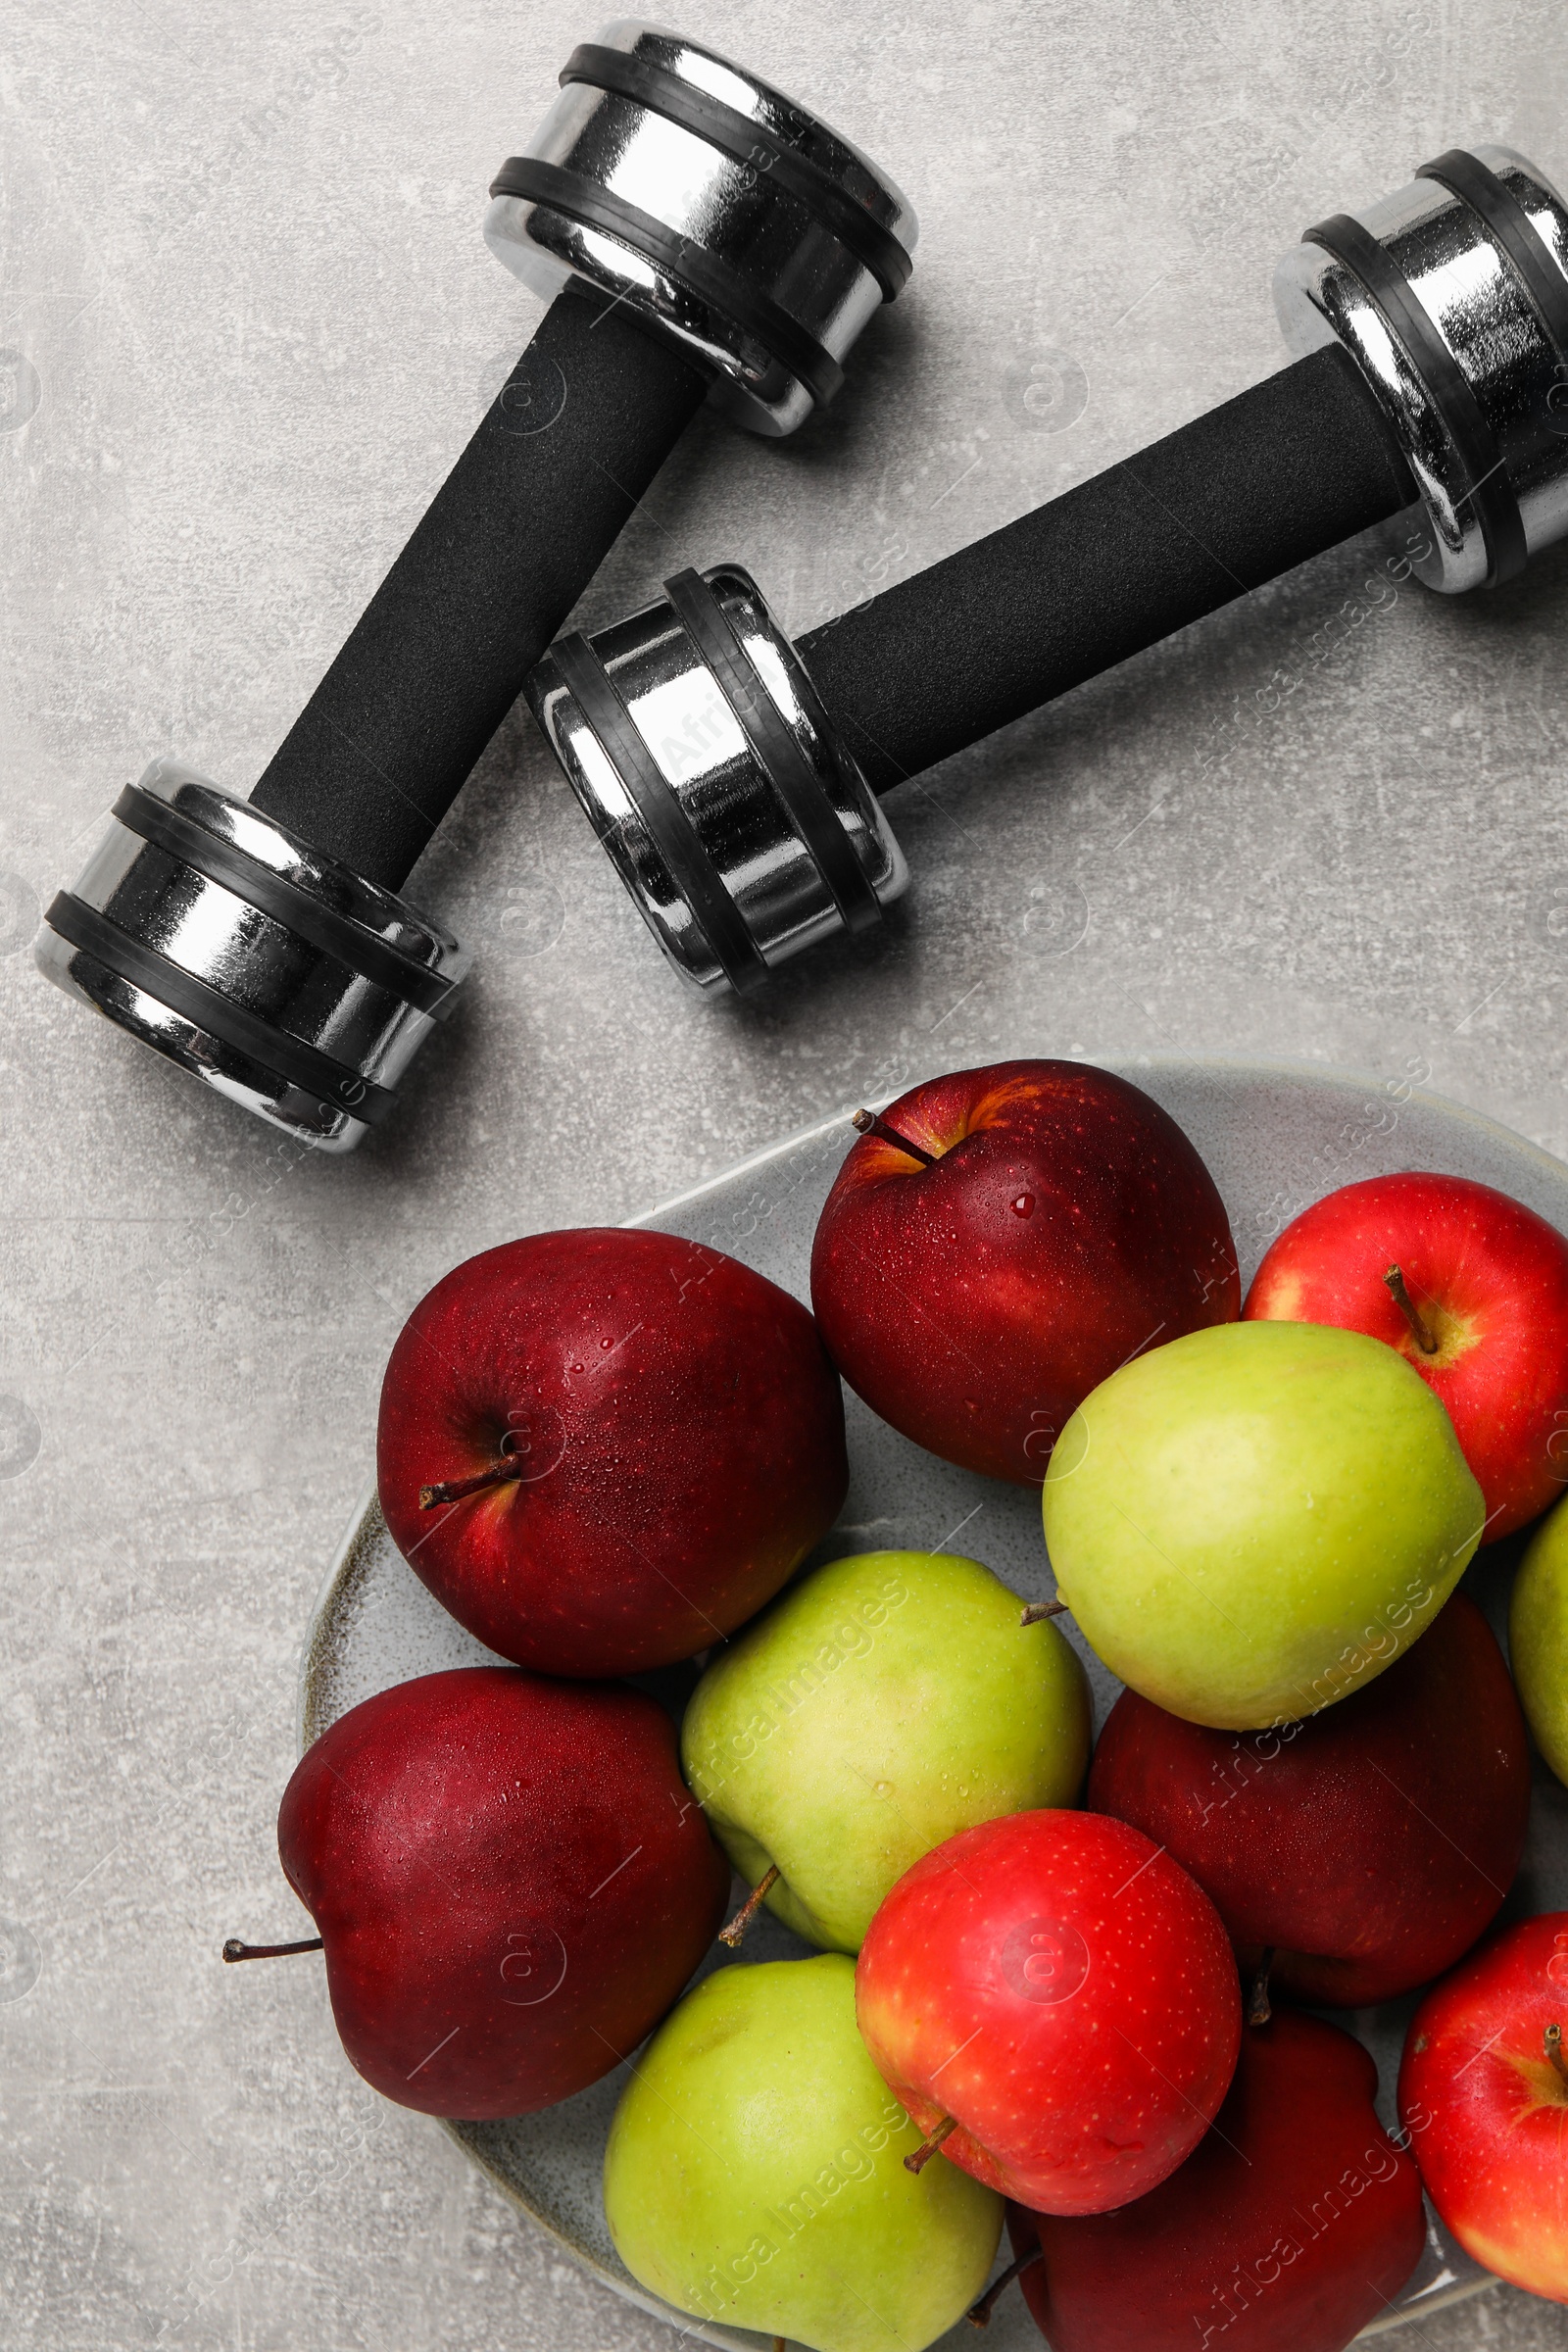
882	1789
1025	1205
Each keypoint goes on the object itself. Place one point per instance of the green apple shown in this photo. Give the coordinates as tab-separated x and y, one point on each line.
883	1704
755	2173
1538	1637
1255	1520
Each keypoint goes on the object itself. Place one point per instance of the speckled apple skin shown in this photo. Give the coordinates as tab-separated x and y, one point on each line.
1491	1279
755	2173
685	1436
1372	1844
511	1880
1067	1224
885	1703
1292	2223
1067	1993
1485	2110
1248	1524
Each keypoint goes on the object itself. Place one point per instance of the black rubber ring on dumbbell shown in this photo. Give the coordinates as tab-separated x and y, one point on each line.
665	822
325	927
774	748
333	1086
1494	203
1489	493
713	281
725	127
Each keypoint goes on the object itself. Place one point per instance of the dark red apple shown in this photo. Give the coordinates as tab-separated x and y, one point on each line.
511	1882
1484	1317
1294	2223
1484	2095
1371	1844
604	1450
1056	2001
1064	1224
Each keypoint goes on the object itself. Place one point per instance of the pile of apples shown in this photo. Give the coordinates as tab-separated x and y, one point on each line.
1059	2006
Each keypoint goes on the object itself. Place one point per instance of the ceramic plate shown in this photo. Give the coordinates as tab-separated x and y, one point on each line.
1276	1135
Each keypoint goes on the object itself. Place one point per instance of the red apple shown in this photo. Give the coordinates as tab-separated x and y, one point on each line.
1484	2095
1065	1224
1294	2223
602	1450
1369	1845
1486	1324
511	1882
1057	1996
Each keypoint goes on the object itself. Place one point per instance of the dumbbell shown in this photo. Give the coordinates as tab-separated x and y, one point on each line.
735	778
698	236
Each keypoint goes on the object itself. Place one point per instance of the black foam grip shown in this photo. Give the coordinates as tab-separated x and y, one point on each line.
512	537
1246	492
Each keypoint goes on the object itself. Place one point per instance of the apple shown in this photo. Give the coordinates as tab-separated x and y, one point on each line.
754	2178
883	1702
1251	1522
1051	1221
602	1450
1472	1289
1295	2222
1538	1638
1053	2001
1363	1850
1484	2096
511	1882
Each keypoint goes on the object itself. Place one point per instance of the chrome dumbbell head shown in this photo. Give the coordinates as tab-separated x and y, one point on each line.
1453	297
273	973
715	207
696	744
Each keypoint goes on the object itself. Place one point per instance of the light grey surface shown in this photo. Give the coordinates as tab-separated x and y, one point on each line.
1257	1125
253	321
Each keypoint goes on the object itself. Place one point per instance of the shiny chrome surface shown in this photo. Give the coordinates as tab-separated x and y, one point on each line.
698	746
256	961
1478	306
717	201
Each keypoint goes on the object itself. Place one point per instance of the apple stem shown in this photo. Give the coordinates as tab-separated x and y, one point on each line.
1420	1329
453	1489
1034	1614
1553	2041
1259	2008
930	2144
747	1911
233	1949
870	1122
978	2314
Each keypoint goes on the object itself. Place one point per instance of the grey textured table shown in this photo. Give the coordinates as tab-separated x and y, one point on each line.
247	322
